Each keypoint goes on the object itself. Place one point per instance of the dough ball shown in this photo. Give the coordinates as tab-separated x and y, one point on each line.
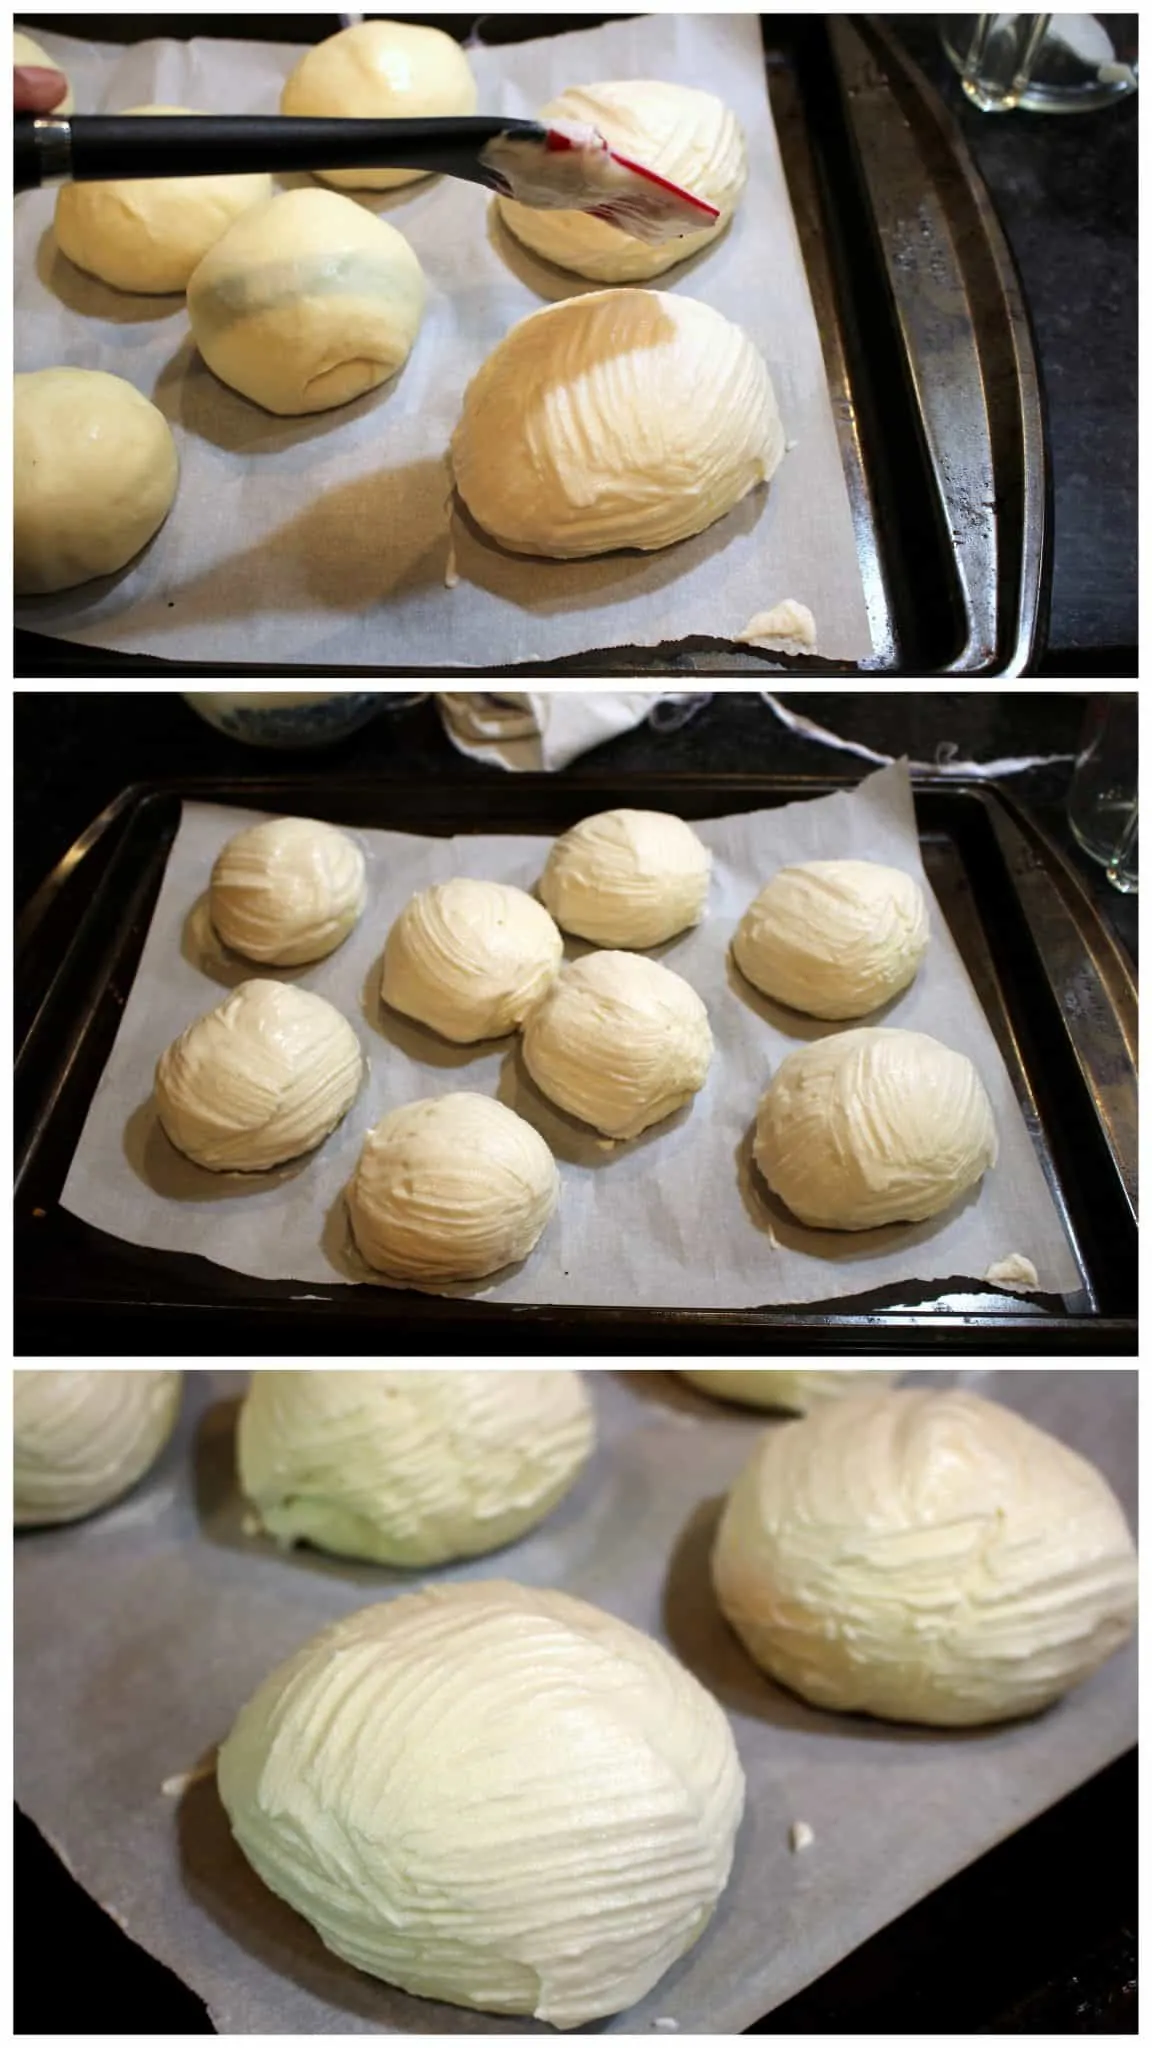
470	958
81	1439
834	938
26	51
260	1079
491	1795
451	1188
94	476
620	419
869	1127
688	137
797	1391
627	878
620	1042
410	1468
148	234
287	891
306	302
381	71
924	1557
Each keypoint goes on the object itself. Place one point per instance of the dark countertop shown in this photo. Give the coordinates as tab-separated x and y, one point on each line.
1066	192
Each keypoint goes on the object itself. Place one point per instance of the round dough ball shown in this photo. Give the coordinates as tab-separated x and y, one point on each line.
619	419
81	1439
287	891
470	958
492	1795
148	234
834	938
686	136
924	1557
26	51
381	71
410	1468
451	1188
627	878
796	1391
94	475
306	302
869	1127
260	1079
620	1042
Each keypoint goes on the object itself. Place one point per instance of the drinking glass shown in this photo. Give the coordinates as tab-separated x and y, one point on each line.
1103	801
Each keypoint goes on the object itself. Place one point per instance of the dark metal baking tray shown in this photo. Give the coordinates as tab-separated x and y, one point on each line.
1056	989
929	360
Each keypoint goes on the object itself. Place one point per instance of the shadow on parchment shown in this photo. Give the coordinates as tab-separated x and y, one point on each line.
165	1171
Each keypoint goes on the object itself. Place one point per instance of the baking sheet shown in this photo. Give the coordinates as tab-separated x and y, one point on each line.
139	1634
632	1226
326	538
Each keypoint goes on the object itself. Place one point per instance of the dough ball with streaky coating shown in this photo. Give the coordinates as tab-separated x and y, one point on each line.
81	1439
450	1188
94	474
381	71
287	891
627	878
924	1557
620	1042
470	958
833	938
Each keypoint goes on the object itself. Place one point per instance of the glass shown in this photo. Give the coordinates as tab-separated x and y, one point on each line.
1103	801
1049	63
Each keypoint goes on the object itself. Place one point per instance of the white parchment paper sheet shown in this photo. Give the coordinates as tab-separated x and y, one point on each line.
679	1217
139	1635
326	538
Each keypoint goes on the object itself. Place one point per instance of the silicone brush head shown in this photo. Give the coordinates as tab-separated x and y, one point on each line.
571	166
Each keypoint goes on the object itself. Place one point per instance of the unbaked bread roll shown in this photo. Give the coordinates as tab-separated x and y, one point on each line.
627	878
81	1439
834	938
795	1391
287	891
260	1079
27	51
620	1042
306	302
381	71
410	1468
148	234
470	958
618	419
492	1795
924	1557
451	1188
94	475
688	137
870	1126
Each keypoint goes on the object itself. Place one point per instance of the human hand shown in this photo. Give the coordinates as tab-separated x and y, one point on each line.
37	90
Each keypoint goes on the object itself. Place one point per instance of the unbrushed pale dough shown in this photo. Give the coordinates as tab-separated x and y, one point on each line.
450	1188
306	302
795	1391
148	234
81	1439
616	419
620	1042
26	51
627	878
872	1126
410	1468
687	137
381	71
287	891
492	1795
834	938
94	475
258	1080
924	1557
470	958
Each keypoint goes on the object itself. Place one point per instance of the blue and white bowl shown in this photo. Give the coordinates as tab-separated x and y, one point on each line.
289	718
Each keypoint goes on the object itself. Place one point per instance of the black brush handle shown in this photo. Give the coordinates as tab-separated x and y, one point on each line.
51	149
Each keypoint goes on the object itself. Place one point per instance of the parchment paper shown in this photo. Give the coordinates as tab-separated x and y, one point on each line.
677	1217
139	1635
326	538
